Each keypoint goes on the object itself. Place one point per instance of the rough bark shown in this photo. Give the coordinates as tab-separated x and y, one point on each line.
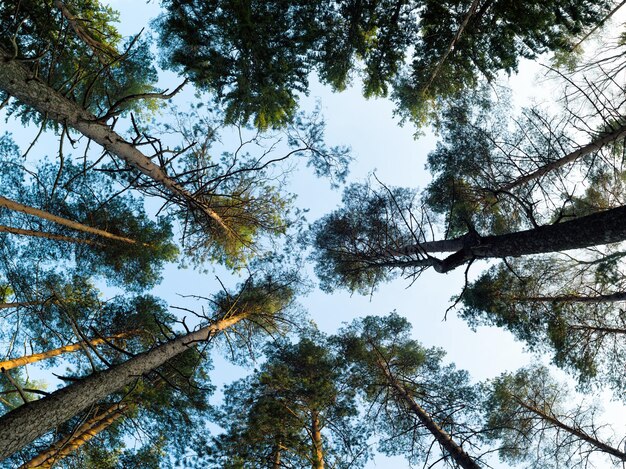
36	357
316	437
577	432
19	82
67	445
443	438
596	229
608	298
16	206
22	425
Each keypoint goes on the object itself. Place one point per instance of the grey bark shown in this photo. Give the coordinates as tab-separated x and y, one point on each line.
596	229
22	425
19	82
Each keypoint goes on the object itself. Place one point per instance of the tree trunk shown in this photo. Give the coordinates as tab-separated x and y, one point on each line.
67	445
16	206
577	432
596	229
316	437
276	456
19	82
597	144
43	234
455	39
443	438
15	362
22	425
18	304
608	298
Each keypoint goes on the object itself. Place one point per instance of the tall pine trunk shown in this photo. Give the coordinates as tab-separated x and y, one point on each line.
443	438
596	229
22	425
574	431
46	235
592	146
316	437
20	82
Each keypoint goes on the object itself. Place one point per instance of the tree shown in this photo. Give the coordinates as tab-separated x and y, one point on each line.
526	412
257	56
413	399
571	310
129	248
295	411
42	415
357	246
79	53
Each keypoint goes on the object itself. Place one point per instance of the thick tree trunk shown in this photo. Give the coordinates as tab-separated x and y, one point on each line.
28	359
443	438
67	445
608	298
16	206
597	144
596	229
22	425
43	234
577	432
19	82
316	437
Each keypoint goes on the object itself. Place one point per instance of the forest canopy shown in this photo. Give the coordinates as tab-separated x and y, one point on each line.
200	266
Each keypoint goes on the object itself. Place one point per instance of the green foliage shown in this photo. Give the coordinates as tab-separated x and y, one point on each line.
93	66
91	198
257	55
272	410
267	301
557	307
466	170
528	415
354	244
373	344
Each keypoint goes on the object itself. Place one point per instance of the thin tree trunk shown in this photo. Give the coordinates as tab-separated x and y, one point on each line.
22	425
16	206
457	36
597	144
577	432
600	24
43	234
19	82
457	453
67	445
36	357
18	304
276	456
316	436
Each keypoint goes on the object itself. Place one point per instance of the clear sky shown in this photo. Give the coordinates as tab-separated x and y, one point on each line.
381	146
